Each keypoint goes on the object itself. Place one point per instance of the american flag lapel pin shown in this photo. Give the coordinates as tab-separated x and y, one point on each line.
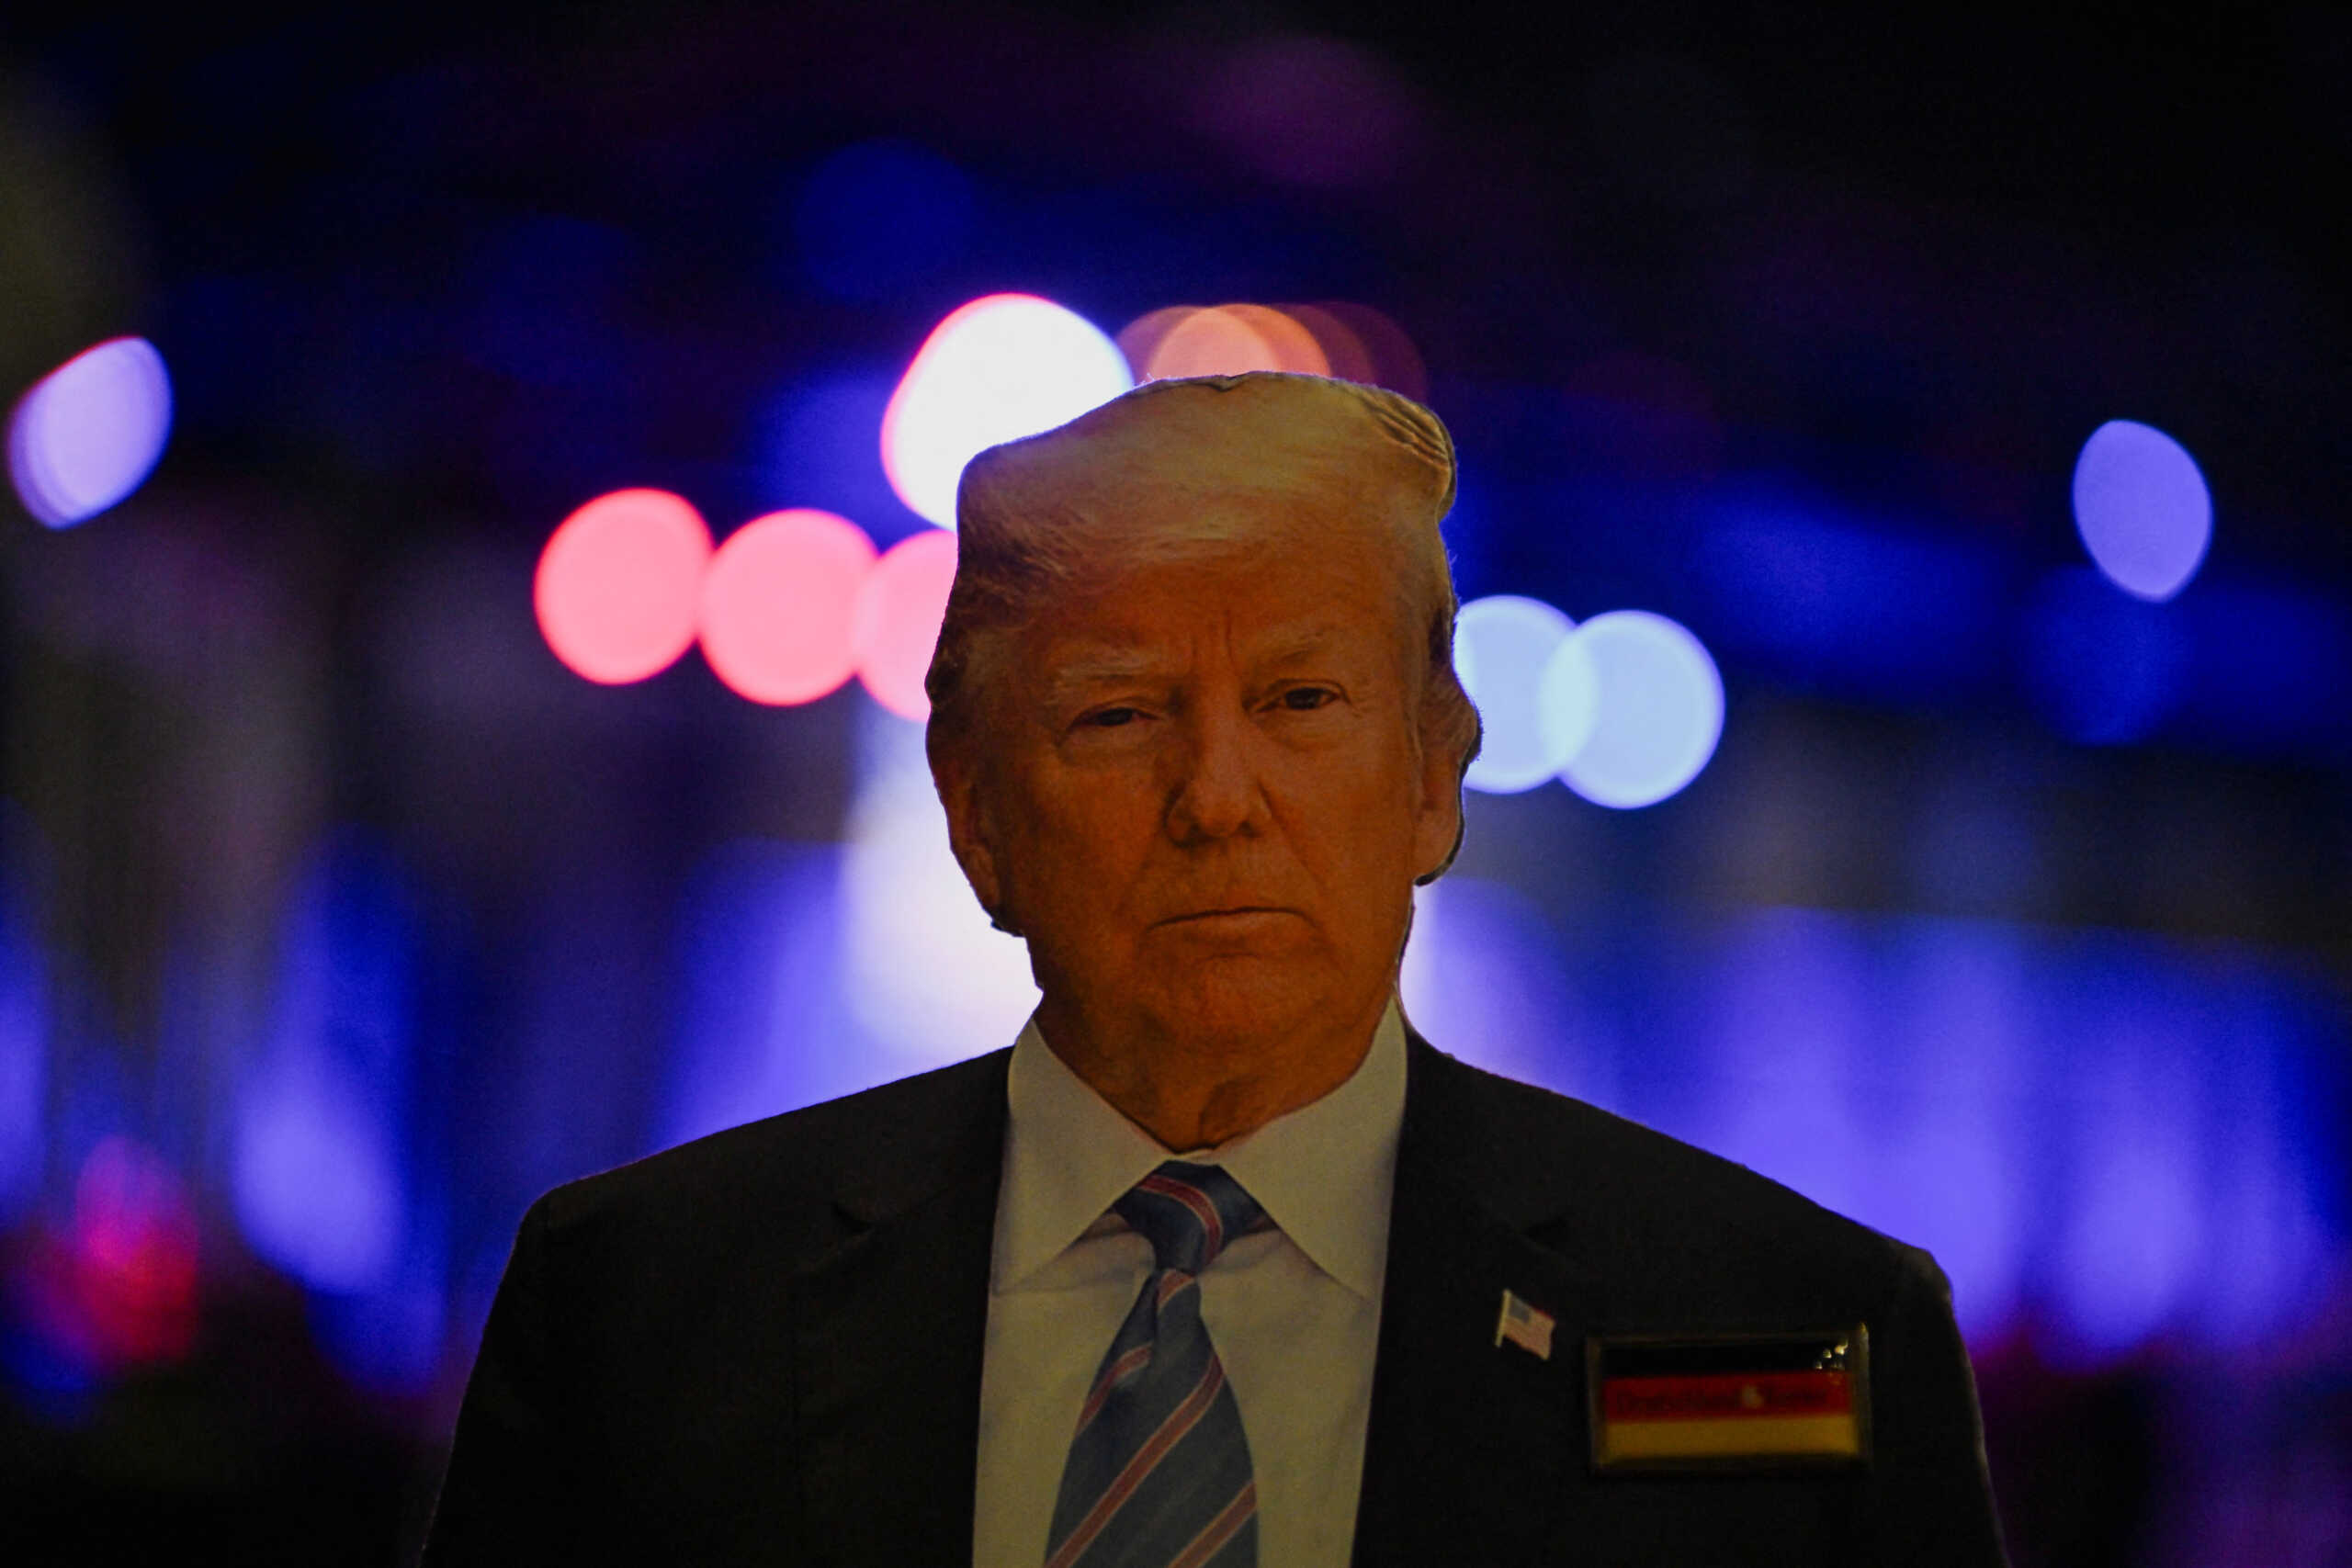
1524	1326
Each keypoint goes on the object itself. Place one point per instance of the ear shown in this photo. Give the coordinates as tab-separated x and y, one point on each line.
958	784
1437	822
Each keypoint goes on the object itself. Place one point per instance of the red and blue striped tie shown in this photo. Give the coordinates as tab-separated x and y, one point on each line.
1158	1474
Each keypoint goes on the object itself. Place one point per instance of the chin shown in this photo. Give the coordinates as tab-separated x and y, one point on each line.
1242	1002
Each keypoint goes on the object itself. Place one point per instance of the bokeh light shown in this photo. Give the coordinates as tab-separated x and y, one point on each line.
121	1291
877	218
995	370
1141	338
315	1179
1567	700
91	431
895	624
1353	343
2142	508
1483	976
618	583
1839	600
1215	342
1385	348
1660	710
1252	337
1293	346
24	1035
1342	347
315	1145
922	972
1502	646
779	604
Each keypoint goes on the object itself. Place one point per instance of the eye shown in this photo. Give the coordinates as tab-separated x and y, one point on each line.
1306	699
1109	718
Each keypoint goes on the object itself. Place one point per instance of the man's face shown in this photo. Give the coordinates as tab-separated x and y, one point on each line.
1203	803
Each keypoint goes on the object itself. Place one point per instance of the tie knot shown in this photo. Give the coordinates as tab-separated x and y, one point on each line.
1188	1212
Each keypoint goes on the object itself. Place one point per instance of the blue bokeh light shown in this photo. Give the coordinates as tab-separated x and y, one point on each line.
1659	713
1829	598
2104	667
2115	1137
1483	973
91	431
877	218
391	1338
1502	645
2143	509
317	1169
24	1044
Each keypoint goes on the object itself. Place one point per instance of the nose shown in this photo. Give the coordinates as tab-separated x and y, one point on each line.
1218	792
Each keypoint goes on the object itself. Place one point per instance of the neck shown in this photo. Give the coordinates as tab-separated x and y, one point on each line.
1191	1094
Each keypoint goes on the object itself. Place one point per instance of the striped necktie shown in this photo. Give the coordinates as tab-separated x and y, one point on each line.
1158	1474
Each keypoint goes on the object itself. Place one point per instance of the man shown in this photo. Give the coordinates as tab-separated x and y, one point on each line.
1220	1264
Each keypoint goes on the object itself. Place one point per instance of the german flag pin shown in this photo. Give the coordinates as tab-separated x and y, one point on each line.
1729	1402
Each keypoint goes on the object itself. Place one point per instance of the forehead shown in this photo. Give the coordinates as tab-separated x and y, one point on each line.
1302	595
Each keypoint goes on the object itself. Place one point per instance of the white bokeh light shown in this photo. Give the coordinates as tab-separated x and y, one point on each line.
2143	509
1502	645
997	370
1659	715
91	431
927	979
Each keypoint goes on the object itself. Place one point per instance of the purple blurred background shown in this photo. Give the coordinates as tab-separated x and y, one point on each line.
1970	388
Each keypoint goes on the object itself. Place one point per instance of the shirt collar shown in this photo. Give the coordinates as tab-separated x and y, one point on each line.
1323	1172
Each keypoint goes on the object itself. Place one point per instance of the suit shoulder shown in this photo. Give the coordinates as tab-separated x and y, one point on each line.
1673	1212
804	1155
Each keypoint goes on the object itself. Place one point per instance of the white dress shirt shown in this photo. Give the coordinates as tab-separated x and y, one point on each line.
1294	1310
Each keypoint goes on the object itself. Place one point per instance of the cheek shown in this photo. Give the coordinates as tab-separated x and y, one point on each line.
1080	844
1359	830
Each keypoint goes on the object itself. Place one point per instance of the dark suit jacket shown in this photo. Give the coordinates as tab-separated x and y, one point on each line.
764	1348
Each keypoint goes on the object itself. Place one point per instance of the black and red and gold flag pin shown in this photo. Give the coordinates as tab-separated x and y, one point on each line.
1729	1401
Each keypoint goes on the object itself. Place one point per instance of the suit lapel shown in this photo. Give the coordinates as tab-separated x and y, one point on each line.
1475	1451
889	1328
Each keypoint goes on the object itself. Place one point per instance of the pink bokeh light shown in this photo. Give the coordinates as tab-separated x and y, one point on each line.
619	582
779	605
899	608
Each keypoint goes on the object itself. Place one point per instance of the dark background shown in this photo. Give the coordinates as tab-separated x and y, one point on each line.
337	919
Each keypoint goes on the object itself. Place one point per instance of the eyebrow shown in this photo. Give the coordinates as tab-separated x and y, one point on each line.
1109	663
1101	668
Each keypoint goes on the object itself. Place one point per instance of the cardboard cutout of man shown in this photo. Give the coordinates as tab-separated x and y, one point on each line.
1220	1264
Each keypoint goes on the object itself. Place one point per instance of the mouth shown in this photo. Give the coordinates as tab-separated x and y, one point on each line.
1231	912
